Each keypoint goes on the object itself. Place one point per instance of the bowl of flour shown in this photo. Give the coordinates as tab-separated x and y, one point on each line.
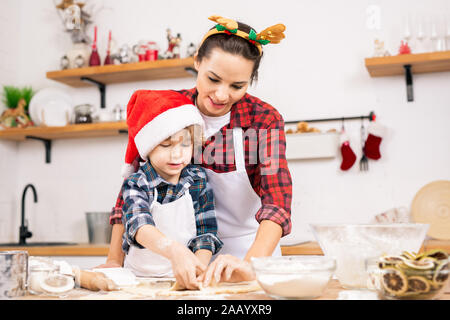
293	277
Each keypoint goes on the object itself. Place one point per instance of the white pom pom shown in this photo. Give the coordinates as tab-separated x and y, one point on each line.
127	170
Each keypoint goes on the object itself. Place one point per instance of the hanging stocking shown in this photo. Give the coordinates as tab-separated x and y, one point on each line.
348	156
372	145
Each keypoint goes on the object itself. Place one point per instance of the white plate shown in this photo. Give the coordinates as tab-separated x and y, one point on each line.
54	104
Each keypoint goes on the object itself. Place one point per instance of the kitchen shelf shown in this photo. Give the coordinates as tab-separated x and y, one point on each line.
407	64
420	63
100	76
87	130
47	134
126	72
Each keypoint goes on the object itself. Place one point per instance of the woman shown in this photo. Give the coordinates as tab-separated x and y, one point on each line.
253	193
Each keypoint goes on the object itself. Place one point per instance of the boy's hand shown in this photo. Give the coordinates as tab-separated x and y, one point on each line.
186	266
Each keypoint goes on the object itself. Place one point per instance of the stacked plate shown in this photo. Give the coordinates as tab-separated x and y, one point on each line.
51	107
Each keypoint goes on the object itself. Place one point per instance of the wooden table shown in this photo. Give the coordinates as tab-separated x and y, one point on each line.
331	293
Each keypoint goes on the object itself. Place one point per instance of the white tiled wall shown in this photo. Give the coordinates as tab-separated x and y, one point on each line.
9	169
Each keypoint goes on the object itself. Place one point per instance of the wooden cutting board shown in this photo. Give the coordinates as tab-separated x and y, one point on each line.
431	205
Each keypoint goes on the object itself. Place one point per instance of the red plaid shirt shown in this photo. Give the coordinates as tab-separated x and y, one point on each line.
275	190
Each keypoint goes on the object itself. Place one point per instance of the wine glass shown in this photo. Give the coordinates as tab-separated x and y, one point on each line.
421	45
437	34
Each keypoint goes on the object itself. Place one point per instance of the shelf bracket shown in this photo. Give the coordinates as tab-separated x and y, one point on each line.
47	144
101	88
409	83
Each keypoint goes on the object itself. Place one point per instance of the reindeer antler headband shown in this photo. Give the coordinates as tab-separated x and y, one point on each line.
273	34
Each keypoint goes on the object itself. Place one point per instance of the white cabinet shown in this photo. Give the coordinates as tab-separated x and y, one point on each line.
312	145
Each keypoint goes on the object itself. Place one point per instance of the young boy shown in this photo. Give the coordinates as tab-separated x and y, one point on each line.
169	217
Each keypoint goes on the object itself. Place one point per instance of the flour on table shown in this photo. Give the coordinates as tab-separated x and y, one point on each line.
155	288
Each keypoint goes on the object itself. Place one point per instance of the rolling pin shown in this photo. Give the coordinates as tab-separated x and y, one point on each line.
93	281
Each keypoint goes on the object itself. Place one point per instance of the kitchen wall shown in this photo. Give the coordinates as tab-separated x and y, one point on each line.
317	71
9	66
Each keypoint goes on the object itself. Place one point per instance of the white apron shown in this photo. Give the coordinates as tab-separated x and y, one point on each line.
236	204
176	220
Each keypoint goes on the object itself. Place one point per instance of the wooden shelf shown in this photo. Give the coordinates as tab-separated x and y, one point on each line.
87	130
127	72
100	76
82	249
420	63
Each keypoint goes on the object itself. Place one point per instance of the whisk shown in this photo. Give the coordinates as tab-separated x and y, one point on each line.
364	161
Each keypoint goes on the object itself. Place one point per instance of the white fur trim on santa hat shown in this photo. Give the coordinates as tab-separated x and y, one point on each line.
127	170
164	125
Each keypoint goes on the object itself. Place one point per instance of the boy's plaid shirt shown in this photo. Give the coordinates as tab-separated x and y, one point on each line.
275	190
138	195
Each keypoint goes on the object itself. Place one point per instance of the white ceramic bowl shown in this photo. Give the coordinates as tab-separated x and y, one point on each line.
293	277
351	244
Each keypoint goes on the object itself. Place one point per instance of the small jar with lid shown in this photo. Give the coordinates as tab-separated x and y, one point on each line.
83	113
37	274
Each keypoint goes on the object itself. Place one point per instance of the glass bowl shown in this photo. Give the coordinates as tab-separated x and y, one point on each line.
405	277
293	277
351	244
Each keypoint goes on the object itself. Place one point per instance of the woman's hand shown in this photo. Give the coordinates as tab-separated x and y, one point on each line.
228	268
186	266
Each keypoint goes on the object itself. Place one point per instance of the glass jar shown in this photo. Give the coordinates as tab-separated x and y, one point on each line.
37	274
83	113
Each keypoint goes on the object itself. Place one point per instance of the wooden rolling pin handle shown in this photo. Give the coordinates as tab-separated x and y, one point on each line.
93	281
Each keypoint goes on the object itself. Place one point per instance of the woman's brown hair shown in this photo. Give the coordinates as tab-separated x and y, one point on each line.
234	45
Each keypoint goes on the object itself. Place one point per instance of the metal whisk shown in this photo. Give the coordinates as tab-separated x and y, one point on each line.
364	161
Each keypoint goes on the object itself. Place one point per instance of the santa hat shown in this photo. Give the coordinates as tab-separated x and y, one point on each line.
152	117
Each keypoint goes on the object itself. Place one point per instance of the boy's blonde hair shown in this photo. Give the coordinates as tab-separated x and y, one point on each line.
196	135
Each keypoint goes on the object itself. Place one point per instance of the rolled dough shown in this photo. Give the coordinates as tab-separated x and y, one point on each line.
164	288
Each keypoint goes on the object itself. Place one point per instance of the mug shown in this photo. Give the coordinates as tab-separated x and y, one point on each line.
13	273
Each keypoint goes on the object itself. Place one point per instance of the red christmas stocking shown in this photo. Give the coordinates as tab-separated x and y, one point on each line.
373	141
348	156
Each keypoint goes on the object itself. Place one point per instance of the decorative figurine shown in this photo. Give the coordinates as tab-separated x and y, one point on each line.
173	50
75	19
64	63
108	59
123	56
94	60
404	48
16	117
379	50
79	61
190	51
